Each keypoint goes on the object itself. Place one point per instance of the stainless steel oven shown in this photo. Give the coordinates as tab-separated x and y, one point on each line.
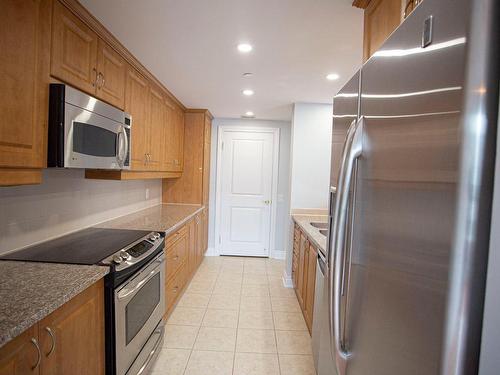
85	132
139	307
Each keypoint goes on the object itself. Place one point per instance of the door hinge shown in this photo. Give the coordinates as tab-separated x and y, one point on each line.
220	239
222	146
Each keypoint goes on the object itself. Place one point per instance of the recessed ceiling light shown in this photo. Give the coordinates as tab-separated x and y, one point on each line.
249	114
246	75
244	47
248	92
332	76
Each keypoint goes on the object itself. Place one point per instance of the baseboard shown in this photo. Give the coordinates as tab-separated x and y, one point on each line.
278	254
287	280
211	252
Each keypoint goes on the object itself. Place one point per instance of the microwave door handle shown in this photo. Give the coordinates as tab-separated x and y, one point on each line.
122	146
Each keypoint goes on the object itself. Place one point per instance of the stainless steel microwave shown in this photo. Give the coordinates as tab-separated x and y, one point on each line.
85	132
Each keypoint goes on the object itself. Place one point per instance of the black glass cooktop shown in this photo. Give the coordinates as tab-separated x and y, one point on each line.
88	246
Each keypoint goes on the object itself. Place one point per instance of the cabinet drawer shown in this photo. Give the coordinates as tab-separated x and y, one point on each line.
176	255
174	237
175	285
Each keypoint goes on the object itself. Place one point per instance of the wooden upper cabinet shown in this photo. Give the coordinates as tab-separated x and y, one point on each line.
24	78
74	50
83	60
169	133
112	70
75	343
381	18
157	116
179	139
206	159
137	105
20	356
192	186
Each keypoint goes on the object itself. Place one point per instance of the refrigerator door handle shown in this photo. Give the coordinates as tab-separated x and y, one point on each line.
352	151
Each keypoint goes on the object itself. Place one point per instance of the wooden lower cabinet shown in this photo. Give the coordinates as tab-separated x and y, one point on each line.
184	251
70	340
19	357
304	260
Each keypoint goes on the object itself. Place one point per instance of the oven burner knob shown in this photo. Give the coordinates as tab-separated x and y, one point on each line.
156	235
124	255
117	259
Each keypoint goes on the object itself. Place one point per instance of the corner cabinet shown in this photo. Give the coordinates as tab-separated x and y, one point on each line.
24	83
304	260
68	341
193	186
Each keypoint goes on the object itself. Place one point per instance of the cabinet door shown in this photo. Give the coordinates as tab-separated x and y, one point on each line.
206	159
24	77
137	104
76	345
112	70
382	17
168	147
305	274
192	254
311	284
205	230
20	356
199	238
74	50
301	270
156	128
179	139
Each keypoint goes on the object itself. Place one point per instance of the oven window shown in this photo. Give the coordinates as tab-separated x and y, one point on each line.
93	140
141	306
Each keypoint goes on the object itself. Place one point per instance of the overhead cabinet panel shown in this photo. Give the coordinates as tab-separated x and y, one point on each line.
112	69
24	76
74	50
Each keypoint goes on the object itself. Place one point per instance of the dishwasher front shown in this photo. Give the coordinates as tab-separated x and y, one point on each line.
321	345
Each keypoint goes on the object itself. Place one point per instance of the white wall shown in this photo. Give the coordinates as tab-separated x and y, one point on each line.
283	208
66	202
310	155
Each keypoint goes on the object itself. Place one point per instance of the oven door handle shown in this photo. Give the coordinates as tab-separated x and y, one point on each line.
126	292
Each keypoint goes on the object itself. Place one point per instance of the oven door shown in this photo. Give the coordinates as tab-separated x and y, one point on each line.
94	141
139	307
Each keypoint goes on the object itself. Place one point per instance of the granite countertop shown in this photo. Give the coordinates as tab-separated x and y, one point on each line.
166	218
304	222
29	291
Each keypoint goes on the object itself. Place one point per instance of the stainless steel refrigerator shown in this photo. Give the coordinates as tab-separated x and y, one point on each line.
410	223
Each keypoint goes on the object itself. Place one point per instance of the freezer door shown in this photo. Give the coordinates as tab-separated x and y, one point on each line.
345	111
406	180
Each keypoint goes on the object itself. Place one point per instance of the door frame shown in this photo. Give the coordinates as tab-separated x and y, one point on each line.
274	182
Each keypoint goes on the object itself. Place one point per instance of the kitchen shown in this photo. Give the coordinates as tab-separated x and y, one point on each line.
199	212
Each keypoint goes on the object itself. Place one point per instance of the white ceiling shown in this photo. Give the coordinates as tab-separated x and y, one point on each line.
190	46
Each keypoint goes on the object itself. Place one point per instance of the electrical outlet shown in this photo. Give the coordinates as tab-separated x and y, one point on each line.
147	194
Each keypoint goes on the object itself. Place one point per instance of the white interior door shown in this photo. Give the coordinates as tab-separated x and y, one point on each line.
246	189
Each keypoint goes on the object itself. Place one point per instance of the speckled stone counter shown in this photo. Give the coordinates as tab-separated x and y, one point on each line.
304	222
164	218
29	291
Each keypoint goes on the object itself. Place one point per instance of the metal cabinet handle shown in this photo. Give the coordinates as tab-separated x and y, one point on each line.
351	153
176	257
103	80
53	338
39	353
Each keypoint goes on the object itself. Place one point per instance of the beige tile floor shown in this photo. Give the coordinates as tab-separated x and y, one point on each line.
236	318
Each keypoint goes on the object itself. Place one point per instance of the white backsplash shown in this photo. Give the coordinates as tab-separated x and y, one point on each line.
66	202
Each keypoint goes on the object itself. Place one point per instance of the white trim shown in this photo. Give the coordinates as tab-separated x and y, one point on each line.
278	254
211	252
287	280
274	188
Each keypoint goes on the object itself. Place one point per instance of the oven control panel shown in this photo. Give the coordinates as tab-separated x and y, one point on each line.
135	252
